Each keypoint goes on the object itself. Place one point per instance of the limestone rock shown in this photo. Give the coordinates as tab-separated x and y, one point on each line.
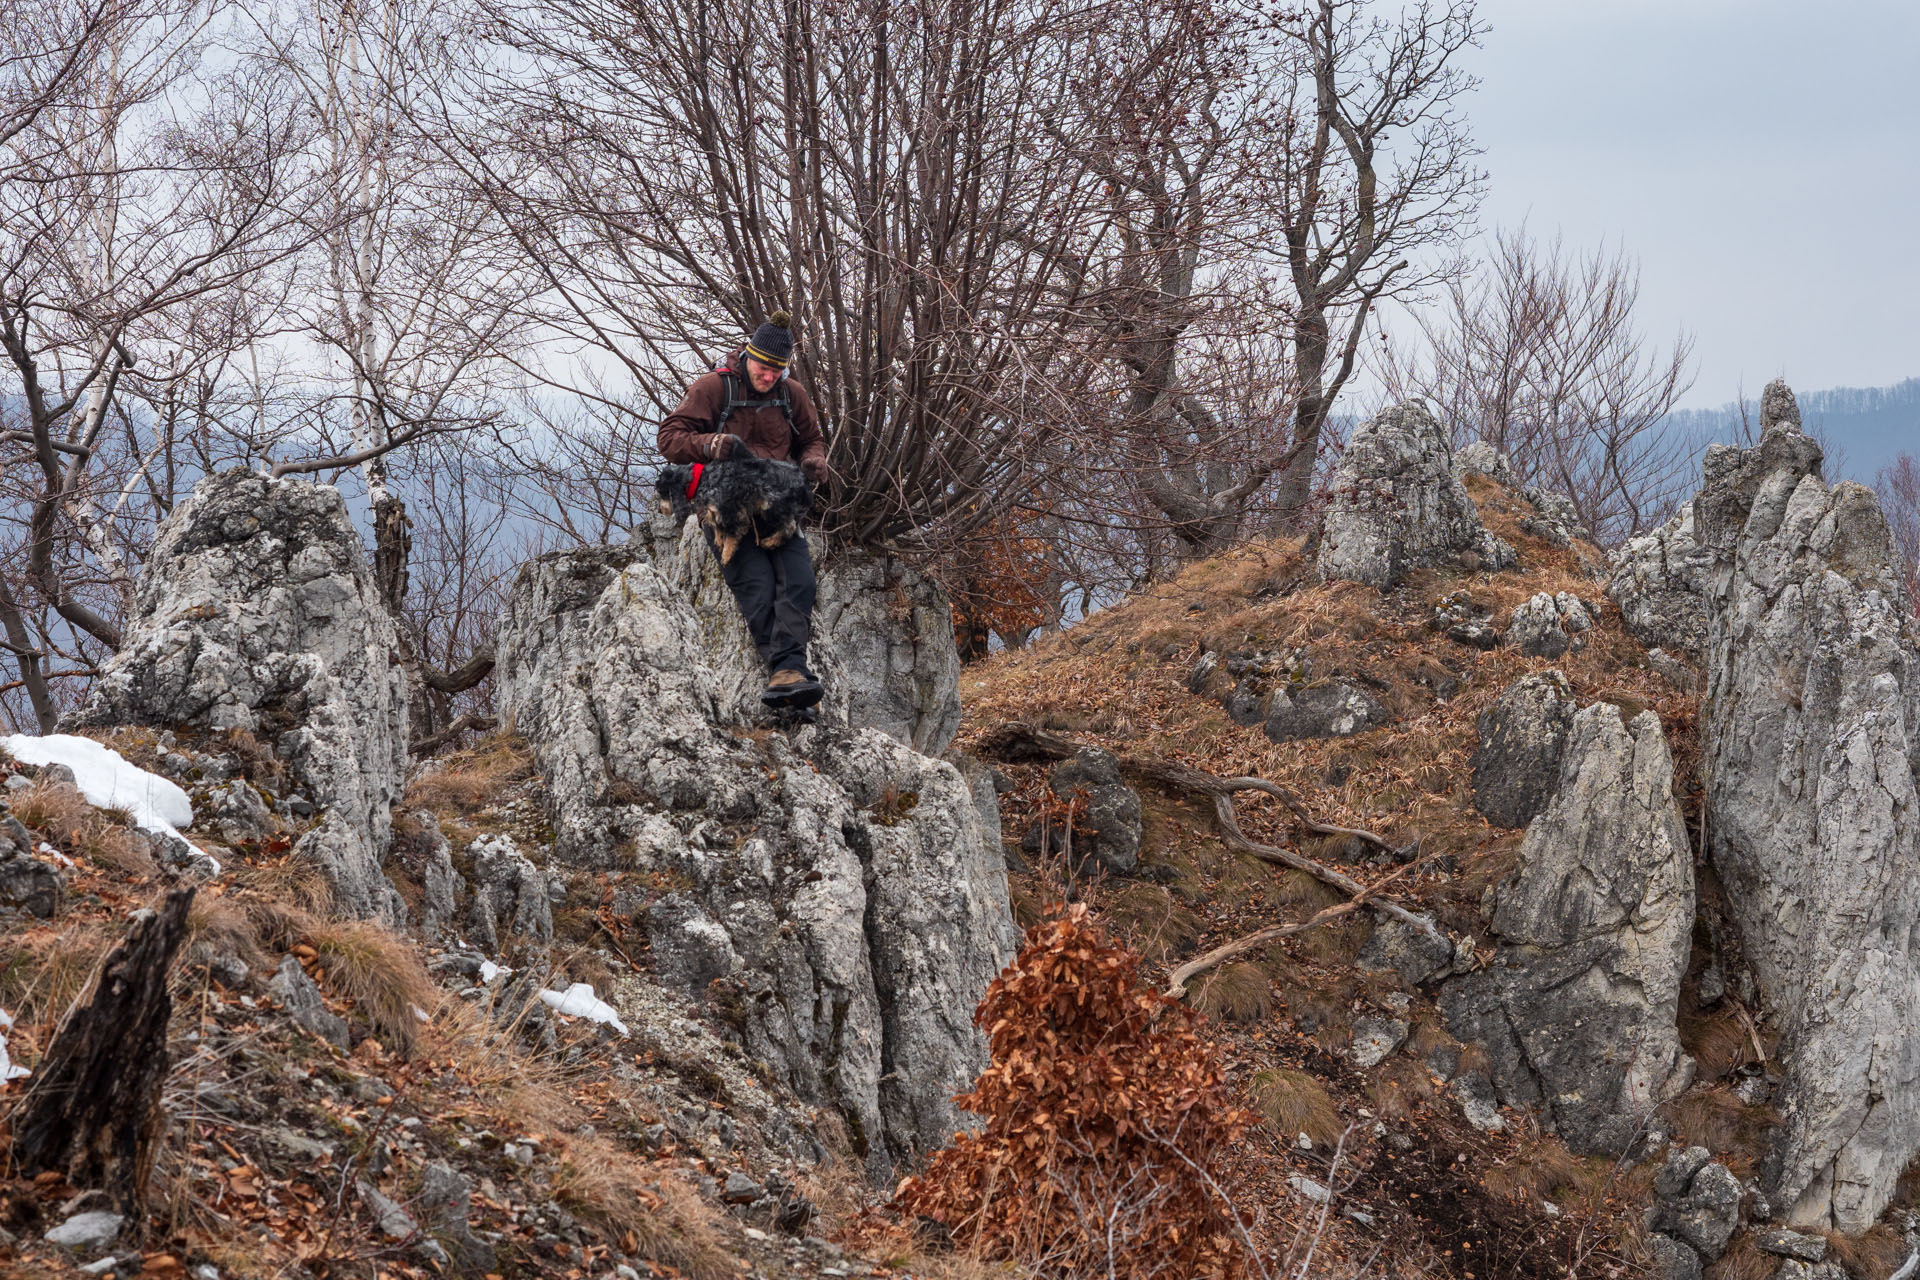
1480	458
509	895
882	637
87	1232
1330	709
1108	820
256	610
1523	738
1671	1259
1577	1011
1696	1202
1408	950
444	886
1549	626
1660	582
1396	506
1791	1244
1555	518
296	993
836	881
1374	1040
25	881
1813	813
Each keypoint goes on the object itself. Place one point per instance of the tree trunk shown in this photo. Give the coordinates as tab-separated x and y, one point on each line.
93	1112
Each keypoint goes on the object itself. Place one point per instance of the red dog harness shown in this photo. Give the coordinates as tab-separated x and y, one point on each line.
694	484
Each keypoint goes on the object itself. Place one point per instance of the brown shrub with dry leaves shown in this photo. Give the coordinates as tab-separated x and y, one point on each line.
1105	1116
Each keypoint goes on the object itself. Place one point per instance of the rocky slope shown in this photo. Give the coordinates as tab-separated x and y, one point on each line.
650	984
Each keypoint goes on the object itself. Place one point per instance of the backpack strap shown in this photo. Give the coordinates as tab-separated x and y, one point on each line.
733	383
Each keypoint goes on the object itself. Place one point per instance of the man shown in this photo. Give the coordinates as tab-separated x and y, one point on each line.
750	406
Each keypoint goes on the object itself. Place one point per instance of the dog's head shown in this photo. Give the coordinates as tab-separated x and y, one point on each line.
671	488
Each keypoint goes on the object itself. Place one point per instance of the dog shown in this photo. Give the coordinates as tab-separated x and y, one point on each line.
762	500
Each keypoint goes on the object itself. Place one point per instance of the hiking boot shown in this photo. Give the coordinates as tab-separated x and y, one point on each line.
794	689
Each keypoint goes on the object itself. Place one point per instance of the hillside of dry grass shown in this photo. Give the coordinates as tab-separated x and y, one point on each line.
1416	1182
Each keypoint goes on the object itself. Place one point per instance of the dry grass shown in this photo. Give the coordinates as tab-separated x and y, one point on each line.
1293	1102
1151	920
59	812
1398	1086
664	1221
380	973
1241	992
1743	1261
43	970
1541	1169
1714	1117
465	782
1719	1042
288	883
218	925
1873	1255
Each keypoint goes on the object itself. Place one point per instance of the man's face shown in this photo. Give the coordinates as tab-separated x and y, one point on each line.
762	376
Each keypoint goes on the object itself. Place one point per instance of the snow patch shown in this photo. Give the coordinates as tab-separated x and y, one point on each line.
578	1001
109	782
7	1070
489	971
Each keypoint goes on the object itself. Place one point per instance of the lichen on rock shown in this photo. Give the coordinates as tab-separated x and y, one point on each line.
257	611
1578	1010
1813	810
831	889
1395	505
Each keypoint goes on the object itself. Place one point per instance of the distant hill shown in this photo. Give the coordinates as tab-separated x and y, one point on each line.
1869	425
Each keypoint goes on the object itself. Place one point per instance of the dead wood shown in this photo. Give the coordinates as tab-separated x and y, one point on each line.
93	1111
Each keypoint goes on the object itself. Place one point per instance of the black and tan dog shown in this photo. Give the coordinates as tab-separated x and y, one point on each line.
762	500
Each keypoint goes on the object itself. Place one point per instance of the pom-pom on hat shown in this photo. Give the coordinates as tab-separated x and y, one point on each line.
772	342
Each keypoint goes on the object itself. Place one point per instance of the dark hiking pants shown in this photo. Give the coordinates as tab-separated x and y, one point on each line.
774	589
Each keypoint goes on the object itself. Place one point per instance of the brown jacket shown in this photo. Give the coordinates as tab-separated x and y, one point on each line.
687	433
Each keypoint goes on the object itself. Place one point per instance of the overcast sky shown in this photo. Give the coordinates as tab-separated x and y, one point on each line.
1760	157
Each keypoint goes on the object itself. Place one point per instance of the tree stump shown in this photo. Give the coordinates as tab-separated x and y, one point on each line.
93	1112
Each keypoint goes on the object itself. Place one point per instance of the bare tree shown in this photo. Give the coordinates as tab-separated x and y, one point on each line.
128	190
1375	187
893	176
1898	485
1540	355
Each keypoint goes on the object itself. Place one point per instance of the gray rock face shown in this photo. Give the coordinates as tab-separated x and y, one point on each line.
1813	812
1660	582
1550	626
444	886
1330	709
257	611
1696	1202
837	890
302	1001
1408	950
1396	506
509	895
87	1232
1477	457
445	1203
25	881
882	638
1107	823
1577	1011
1523	739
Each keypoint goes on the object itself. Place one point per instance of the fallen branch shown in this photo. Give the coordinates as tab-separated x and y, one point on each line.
467	722
1016	740
1177	986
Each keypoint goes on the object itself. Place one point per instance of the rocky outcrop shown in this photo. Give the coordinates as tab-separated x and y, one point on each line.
832	895
1660	582
1329	709
1813	813
882	637
1550	626
257	611
1395	505
26	882
1105	817
1577	1011
1696	1208
509	895
1523	739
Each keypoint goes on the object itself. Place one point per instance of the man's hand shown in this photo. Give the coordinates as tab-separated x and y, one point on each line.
815	468
729	446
